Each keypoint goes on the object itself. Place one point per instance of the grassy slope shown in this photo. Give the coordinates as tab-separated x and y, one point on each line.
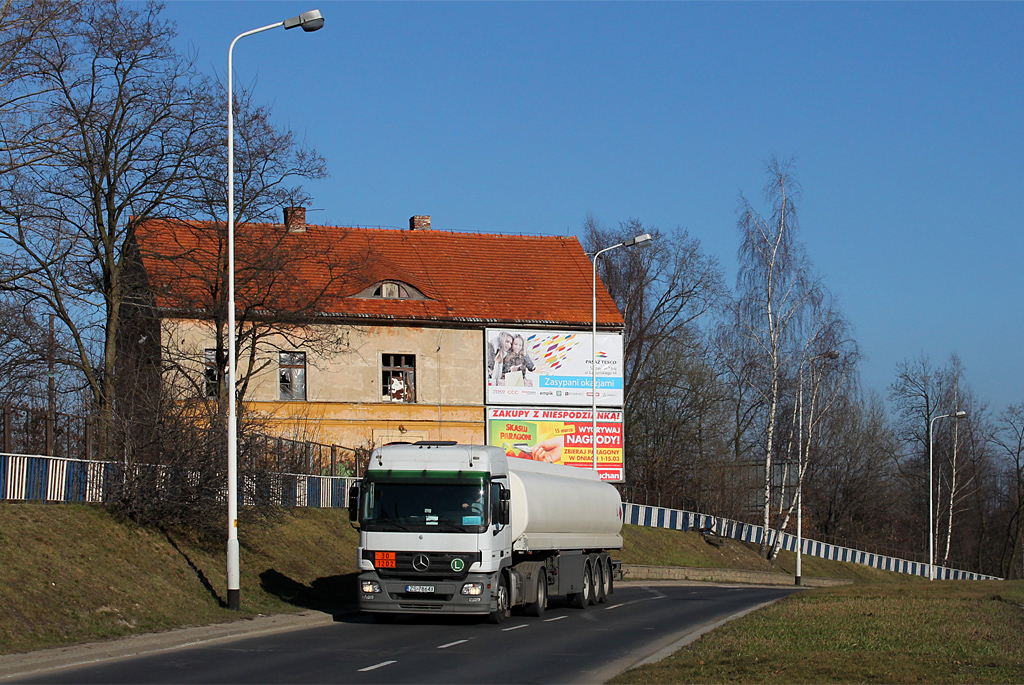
72	573
660	547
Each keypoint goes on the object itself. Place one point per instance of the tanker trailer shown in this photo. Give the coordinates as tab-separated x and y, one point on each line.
446	528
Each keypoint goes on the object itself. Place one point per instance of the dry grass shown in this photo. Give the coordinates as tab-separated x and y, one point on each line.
72	573
661	547
943	632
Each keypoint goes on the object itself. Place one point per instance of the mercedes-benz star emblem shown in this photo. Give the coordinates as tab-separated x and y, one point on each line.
420	562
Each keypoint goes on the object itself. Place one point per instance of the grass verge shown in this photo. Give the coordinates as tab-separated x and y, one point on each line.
73	573
943	632
662	547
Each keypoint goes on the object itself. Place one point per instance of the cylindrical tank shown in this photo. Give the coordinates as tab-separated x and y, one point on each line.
562	507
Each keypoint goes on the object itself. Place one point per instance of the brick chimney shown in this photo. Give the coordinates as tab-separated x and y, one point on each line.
295	219
419	223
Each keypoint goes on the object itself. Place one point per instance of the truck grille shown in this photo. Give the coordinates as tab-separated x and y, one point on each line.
427	565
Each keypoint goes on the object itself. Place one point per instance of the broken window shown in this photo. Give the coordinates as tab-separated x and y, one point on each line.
398	377
292	375
391	290
212	373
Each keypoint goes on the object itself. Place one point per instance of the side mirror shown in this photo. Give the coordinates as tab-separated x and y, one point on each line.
353	502
505	497
505	512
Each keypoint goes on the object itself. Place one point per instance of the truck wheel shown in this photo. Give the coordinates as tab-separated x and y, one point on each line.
600	584
537	608
595	583
609	579
581	599
503	610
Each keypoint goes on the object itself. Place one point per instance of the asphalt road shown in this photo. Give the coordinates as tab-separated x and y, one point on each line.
563	646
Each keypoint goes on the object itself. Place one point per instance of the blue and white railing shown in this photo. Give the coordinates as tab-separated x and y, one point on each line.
677	519
34	478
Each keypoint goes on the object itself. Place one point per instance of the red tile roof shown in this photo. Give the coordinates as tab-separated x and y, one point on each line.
465	277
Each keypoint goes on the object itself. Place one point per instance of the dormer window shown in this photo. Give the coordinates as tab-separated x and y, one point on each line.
391	290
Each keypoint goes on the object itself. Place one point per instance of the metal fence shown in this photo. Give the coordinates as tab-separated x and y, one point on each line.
34	431
678	519
38	478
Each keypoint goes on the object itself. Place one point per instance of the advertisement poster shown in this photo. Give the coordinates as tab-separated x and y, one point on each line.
561	436
552	367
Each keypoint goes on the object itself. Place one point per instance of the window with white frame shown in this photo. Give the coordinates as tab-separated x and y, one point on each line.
292	375
398	377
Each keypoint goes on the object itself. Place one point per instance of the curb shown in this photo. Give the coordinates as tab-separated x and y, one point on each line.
722	575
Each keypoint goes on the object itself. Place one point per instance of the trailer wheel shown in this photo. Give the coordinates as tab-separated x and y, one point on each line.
595	584
581	599
609	579
537	608
600	583
502	610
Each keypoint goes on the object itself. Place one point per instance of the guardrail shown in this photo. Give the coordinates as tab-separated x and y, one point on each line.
56	479
678	519
38	478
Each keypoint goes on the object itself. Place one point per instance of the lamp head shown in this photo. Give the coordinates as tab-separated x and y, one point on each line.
642	239
960	414
309	21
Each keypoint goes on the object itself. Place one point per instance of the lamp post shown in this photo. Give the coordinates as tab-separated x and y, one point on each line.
831	354
931	511
642	239
309	21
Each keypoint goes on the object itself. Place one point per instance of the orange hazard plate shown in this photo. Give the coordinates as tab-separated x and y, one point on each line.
384	559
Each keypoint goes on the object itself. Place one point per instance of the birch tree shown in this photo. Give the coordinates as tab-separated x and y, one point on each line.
773	286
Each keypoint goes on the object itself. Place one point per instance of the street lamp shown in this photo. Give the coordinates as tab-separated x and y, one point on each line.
931	511
831	354
642	239
309	21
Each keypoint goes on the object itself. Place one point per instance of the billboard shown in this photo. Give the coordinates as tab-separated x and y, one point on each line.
561	436
529	367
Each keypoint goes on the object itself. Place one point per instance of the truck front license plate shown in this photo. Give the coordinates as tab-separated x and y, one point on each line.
419	588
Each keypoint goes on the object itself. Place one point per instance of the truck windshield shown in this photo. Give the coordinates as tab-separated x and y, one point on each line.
424	506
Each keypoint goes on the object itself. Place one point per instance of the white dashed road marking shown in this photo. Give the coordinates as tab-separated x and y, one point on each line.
376	666
452	644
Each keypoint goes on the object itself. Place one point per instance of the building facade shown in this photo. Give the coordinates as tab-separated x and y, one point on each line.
355	336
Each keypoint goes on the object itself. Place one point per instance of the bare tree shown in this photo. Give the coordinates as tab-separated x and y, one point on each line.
920	393
663	291
1010	441
774	285
125	115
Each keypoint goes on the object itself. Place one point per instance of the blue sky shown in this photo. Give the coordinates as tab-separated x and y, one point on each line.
905	120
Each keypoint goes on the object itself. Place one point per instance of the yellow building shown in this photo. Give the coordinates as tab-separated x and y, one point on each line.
359	337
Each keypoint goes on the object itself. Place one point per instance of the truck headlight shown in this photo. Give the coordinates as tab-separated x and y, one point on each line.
370	587
473	589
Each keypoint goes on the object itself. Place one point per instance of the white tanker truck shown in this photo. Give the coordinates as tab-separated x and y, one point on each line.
446	528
